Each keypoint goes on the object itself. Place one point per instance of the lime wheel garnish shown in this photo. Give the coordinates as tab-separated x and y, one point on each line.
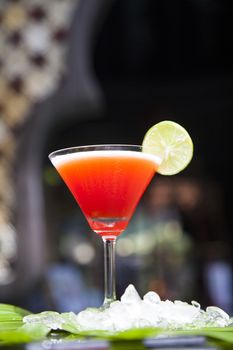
172	143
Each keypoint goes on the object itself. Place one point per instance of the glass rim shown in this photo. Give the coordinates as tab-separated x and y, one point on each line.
99	147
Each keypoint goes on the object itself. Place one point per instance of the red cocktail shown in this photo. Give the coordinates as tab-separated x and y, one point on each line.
107	181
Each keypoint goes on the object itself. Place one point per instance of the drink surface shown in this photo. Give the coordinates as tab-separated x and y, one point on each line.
107	184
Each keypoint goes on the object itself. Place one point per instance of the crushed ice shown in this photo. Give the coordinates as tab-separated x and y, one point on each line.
133	312
50	319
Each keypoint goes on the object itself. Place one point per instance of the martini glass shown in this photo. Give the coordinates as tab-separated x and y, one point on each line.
107	182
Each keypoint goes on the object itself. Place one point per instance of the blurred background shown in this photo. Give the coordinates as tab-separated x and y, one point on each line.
86	72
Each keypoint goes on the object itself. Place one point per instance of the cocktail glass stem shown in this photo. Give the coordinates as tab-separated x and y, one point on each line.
109	271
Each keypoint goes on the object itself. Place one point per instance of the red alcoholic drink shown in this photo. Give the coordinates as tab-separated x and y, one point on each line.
107	184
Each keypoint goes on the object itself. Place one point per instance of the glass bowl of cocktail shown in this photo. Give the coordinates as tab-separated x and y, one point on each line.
108	181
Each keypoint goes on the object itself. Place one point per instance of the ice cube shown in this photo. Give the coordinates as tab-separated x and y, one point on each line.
152	297
185	311
121	315
196	304
217	316
132	311
50	319
130	295
86	316
93	319
150	313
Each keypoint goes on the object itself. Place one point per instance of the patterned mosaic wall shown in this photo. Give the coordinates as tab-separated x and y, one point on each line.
33	44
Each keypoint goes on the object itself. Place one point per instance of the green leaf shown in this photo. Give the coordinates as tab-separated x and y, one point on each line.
131	334
14	330
6	309
24	334
10	325
225	334
69	323
134	334
11	317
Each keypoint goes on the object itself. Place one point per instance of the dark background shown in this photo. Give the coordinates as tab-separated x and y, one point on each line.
172	60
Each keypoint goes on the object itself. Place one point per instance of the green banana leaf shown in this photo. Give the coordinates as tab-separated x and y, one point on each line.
11	317
14	330
24	334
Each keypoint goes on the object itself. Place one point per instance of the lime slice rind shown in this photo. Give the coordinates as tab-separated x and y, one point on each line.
171	142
